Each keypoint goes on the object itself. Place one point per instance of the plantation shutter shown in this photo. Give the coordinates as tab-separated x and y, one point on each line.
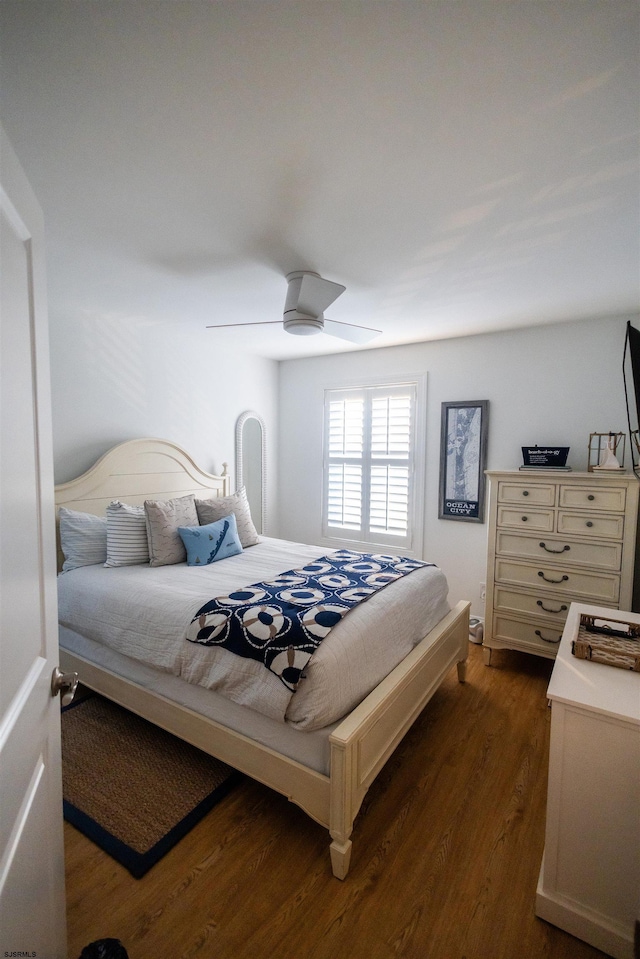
345	444
369	453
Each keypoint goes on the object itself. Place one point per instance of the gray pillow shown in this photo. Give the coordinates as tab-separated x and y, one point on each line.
163	519
211	510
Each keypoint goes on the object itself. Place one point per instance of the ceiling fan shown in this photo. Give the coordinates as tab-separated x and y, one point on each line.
308	296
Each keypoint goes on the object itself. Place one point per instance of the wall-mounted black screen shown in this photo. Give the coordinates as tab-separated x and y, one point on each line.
631	375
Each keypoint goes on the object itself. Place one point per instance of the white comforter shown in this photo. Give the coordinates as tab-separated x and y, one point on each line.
143	612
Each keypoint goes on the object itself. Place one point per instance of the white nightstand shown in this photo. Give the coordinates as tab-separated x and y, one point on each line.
589	881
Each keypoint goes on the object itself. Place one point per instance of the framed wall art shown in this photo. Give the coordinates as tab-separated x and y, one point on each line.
463	449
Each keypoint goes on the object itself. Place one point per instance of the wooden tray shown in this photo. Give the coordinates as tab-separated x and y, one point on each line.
612	642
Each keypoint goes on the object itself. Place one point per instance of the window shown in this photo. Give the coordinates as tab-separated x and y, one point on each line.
369	465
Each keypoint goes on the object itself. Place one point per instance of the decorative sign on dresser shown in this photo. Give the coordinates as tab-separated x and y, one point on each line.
554	539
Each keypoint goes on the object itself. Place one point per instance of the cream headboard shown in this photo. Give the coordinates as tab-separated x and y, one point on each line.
135	471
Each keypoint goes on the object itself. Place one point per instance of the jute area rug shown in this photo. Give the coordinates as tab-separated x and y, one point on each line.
132	788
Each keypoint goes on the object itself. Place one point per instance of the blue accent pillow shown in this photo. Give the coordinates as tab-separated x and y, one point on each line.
208	544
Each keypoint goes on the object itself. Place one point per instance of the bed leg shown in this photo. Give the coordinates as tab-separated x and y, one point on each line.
340	858
462	670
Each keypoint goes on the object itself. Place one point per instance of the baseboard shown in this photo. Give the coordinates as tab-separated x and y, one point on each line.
600	931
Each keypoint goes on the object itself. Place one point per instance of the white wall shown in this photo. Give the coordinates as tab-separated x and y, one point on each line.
551	384
115	379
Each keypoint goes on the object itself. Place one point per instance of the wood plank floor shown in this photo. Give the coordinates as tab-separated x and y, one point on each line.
445	863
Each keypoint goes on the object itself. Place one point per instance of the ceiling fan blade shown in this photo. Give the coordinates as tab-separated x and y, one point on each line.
316	294
226	326
348	331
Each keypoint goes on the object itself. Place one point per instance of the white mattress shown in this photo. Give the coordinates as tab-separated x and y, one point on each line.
309	747
142	612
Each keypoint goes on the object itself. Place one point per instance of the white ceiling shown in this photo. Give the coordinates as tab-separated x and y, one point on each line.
460	166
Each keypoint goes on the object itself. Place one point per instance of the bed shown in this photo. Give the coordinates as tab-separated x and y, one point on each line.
326	765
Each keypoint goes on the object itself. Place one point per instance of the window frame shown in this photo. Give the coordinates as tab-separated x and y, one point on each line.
411	545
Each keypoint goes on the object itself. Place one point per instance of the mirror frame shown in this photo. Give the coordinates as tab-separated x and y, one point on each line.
240	423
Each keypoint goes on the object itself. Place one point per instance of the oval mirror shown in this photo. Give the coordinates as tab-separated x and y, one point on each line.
251	464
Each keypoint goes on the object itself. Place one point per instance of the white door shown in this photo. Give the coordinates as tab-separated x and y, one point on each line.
32	902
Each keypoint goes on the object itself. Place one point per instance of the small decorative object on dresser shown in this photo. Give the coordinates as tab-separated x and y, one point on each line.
555	539
545	457
611	641
606	451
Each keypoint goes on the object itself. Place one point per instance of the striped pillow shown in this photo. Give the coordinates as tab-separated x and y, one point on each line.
83	539
126	535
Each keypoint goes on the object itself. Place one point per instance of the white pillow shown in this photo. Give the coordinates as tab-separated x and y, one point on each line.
211	510
83	539
126	535
163	519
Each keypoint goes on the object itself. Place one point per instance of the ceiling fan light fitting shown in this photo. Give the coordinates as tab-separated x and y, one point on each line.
303	325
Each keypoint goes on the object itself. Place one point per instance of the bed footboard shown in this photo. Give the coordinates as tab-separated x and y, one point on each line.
363	742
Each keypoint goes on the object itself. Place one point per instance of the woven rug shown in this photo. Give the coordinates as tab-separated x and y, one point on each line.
132	788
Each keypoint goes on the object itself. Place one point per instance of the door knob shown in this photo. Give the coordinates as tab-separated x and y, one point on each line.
65	683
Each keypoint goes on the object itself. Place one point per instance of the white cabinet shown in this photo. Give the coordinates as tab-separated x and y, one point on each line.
590	877
554	539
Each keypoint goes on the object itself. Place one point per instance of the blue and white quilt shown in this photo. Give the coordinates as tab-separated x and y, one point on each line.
282	622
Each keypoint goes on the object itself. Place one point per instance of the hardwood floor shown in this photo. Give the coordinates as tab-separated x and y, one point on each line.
446	855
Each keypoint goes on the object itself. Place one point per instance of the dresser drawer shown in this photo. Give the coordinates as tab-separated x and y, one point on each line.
529	635
527	494
554	609
590	524
563	552
596	588
539	519
609	499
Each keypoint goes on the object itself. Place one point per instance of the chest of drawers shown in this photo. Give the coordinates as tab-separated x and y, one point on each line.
555	538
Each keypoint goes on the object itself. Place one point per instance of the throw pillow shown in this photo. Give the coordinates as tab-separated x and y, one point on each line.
210	510
126	535
210	543
163	520
83	538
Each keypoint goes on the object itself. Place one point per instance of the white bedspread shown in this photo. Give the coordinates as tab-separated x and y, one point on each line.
143	612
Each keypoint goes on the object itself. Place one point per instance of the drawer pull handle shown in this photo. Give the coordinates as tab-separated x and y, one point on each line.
589	523
524	519
525	492
591	497
544	638
564	579
565	549
562	609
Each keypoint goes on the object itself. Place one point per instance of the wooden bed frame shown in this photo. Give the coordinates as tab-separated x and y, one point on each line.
360	744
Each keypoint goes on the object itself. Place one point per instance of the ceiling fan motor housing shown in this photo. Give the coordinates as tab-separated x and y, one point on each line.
294	285
301	324
308	295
